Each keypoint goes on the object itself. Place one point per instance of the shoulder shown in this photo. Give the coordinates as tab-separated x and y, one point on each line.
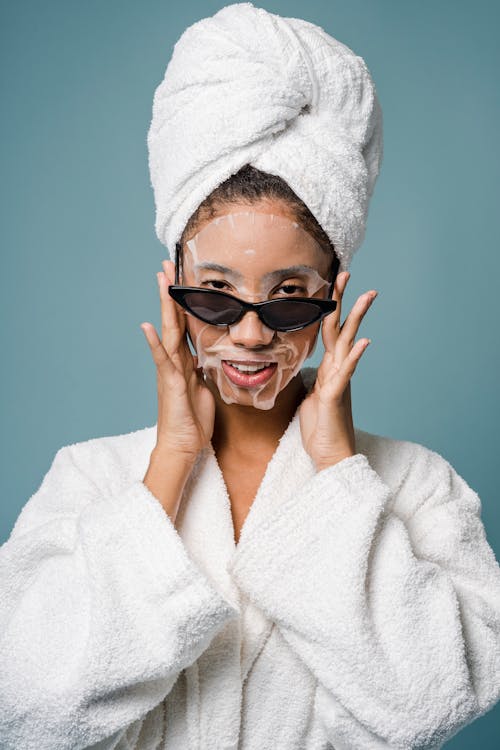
111	461
417	475
394	459
83	472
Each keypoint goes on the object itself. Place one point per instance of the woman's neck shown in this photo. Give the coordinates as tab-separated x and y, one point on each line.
252	433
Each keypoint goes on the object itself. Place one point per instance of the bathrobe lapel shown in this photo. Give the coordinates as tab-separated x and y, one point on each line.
213	681
274	489
205	525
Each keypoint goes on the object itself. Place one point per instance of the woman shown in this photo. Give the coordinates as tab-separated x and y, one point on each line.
252	571
194	410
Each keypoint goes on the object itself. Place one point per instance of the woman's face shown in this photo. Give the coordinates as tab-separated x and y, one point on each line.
255	253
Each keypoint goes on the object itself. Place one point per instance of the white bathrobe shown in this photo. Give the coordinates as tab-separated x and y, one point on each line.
360	609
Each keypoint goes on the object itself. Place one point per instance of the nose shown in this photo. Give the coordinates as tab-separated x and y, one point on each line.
250	331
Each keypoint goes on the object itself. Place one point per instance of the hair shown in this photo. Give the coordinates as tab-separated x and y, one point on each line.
250	185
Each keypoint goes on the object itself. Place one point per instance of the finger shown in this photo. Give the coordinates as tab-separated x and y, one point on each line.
172	323
331	323
160	356
350	327
169	270
334	388
338	293
169	275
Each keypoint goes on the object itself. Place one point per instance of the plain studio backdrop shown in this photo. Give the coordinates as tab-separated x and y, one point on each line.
80	255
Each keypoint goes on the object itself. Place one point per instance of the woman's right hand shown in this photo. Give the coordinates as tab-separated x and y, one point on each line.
186	406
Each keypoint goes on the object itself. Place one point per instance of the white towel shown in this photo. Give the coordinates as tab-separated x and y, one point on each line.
246	86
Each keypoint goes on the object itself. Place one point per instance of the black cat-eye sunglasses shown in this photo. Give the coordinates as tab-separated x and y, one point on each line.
223	309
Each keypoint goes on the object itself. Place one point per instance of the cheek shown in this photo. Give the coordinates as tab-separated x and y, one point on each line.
308	337
201	334
192	327
304	340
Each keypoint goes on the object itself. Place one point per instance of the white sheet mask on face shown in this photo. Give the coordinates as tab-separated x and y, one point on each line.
239	250
236	236
283	354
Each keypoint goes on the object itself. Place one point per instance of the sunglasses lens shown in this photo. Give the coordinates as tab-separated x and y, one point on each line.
222	309
289	314
212	308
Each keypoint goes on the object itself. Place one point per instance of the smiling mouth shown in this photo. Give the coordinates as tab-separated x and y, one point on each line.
248	373
248	365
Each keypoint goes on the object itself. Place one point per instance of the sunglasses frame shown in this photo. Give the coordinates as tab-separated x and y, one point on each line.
324	306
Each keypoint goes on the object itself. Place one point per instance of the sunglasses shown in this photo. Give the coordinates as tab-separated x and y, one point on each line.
223	309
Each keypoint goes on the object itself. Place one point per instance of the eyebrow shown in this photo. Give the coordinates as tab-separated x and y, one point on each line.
217	267
290	271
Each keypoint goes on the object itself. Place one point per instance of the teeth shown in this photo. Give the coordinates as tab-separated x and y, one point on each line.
248	368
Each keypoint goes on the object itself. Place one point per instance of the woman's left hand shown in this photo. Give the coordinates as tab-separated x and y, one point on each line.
325	414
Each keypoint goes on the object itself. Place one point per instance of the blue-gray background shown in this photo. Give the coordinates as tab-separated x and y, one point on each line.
80	256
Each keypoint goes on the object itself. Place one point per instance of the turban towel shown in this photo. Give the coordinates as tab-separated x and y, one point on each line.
246	86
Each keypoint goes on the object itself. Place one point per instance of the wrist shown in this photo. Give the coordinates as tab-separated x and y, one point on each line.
324	463
174	457
166	477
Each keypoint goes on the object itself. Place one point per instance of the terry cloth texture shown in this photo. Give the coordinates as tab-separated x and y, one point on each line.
246	86
359	610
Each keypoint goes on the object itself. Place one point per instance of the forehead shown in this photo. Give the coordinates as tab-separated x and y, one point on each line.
250	243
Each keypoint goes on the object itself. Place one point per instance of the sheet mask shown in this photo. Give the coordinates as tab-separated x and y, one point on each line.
238	235
288	357
209	256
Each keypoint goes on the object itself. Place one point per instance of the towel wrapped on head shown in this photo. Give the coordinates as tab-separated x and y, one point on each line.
246	86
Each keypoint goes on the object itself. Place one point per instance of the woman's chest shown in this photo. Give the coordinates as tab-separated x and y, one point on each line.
242	483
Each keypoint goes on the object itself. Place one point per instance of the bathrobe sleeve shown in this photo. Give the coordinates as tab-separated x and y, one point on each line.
100	610
390	597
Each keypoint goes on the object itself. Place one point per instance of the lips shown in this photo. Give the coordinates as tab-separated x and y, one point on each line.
245	379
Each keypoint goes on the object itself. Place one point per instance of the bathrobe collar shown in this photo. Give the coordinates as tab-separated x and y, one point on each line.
205	523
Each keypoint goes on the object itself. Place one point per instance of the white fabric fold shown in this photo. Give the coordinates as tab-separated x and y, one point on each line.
392	599
101	609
